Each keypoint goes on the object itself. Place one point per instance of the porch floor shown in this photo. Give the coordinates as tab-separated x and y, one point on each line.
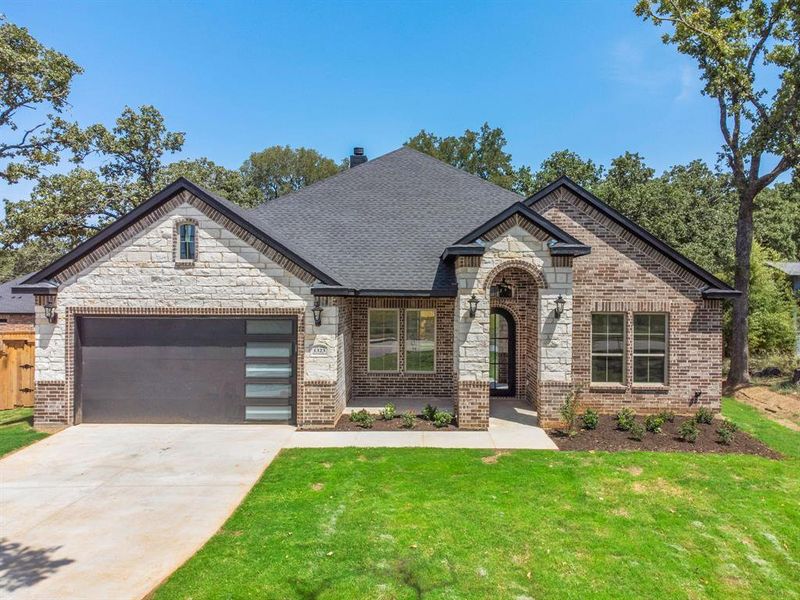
512	425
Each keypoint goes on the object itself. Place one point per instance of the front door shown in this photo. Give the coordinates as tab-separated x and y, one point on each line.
502	342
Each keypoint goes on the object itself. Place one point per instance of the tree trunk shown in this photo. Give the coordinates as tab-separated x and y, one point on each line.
740	354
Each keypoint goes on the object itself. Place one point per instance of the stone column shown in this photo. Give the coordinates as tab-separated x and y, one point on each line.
555	345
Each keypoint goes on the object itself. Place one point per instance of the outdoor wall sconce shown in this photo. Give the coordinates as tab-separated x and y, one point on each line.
473	305
560	303
50	311
317	310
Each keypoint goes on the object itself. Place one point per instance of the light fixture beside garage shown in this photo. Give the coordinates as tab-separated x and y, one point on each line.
50	310
560	304
317	310
473	305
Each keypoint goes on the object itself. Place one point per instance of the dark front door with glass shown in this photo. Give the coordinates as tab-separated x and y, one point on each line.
502	343
185	370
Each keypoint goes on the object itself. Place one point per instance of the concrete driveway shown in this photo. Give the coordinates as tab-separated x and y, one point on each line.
108	511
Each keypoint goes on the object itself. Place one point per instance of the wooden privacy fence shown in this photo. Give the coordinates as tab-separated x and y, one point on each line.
16	367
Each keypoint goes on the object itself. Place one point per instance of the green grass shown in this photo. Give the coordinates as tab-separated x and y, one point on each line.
430	523
778	437
16	430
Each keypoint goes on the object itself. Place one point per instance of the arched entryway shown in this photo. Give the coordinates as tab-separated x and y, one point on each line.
502	353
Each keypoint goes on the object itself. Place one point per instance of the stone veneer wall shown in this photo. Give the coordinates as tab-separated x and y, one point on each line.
512	245
402	384
622	274
136	274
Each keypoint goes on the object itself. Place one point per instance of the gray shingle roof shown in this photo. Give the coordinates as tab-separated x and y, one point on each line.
384	224
15	303
790	268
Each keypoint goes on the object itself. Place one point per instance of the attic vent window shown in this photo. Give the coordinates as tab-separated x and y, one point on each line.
186	242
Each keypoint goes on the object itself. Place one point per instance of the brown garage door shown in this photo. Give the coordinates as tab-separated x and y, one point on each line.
185	370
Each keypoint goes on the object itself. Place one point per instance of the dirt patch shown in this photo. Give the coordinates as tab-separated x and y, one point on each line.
635	471
396	424
781	408
317	486
490	460
607	437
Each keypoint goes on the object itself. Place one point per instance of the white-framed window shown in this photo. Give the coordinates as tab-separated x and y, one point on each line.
383	344
187	242
420	346
608	348
650	336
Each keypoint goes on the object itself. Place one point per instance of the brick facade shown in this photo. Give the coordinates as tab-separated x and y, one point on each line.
471	404
16	319
403	384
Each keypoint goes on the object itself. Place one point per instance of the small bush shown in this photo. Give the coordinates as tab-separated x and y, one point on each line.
726	432
625	419
363	419
569	413
429	412
408	419
688	431
653	423
667	416
590	419
703	415
442	418
388	412
636	431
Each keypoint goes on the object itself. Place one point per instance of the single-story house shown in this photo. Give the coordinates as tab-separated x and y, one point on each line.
402	277
792	270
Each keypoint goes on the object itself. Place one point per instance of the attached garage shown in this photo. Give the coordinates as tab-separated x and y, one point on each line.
185	370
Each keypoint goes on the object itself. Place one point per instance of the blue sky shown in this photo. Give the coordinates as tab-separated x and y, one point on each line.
241	76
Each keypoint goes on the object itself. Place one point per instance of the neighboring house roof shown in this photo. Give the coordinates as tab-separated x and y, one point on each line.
716	287
386	227
790	268
11	303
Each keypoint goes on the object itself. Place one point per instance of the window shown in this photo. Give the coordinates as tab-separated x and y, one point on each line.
608	348
421	340
384	347
650	348
187	243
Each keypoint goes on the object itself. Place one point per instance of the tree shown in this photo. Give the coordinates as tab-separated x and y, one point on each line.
278	170
737	44
215	178
777	220
585	173
34	78
65	209
481	153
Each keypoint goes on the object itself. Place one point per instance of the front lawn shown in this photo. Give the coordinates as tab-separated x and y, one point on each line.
16	429
431	523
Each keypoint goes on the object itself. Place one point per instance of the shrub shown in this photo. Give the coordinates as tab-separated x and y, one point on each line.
703	415
726	432
429	412
667	416
625	419
408	419
590	419
653	423
442	418
636	431
569	412
688	431
363	419
388	412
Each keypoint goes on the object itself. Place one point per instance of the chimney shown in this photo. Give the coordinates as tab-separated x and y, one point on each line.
357	157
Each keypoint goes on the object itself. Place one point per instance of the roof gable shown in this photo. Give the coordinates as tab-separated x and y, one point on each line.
716	287
40	282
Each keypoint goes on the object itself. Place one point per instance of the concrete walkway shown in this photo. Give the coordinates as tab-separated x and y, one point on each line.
511	426
109	511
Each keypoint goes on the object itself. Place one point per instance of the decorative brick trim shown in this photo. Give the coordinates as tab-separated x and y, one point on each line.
161	212
470	262
51	404
562	261
176	240
471	405
70	415
648	306
523	265
516	221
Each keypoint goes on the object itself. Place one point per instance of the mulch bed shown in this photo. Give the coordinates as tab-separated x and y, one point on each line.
396	424
608	438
